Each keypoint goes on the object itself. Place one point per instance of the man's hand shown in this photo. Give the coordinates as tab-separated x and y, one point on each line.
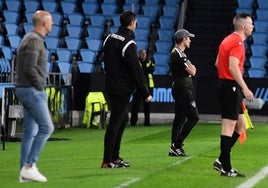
149	98
248	94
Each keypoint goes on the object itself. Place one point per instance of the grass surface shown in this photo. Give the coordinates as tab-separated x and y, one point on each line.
76	162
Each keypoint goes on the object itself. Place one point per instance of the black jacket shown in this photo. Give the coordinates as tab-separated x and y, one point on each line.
123	71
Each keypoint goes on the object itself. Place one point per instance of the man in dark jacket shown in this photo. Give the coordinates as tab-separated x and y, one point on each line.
123	75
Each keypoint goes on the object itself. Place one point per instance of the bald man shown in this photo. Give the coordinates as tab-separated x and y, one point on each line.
30	81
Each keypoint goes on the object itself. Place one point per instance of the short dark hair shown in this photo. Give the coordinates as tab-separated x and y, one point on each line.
126	18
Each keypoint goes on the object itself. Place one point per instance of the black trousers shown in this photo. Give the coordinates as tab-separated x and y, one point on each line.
136	101
116	126
186	116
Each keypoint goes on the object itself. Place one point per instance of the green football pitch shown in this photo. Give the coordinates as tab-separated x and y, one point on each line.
73	157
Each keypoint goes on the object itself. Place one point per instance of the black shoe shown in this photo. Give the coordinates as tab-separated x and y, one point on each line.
176	151
109	165
232	173
217	165
121	163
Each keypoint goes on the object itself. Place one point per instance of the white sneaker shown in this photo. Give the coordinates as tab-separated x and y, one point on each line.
24	180
32	174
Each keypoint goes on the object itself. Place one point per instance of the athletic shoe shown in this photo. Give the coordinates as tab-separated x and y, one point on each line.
232	173
217	165
176	151
120	162
24	180
32	174
109	165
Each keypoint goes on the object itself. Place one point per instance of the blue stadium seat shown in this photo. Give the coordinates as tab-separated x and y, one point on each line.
49	67
56	31
172	2
131	1
244	10
91	1
68	7
163	46
132	7
73	43
142	34
151	2
85	67
7	51
90	8
74	31
64	54
94	44
262	3
144	21
262	14
95	32
57	18
260	26
13	5
14	41
142	44
161	58
161	70
113	29
116	20
11	28
259	50
97	20
257	62
64	67
1	40
76	19
87	55
110	1
28	16
108	9
52	43
167	22
165	34
245	3
51	6
256	72
31	5
260	37
11	16
27	27
150	11
170	11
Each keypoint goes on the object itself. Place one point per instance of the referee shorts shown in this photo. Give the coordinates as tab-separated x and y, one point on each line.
230	98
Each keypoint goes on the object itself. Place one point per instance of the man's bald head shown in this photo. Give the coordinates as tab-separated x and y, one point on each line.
40	16
42	21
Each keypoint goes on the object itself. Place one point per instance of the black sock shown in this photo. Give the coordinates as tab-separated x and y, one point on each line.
225	147
235	136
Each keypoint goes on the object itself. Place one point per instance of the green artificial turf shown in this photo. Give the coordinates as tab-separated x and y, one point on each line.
73	159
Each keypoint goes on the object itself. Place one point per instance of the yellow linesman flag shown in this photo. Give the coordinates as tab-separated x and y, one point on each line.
243	135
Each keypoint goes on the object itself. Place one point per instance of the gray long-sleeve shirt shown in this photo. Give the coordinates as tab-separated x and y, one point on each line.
31	62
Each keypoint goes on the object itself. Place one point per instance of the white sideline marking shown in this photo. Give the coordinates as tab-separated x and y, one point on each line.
134	180
129	182
181	161
255	179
